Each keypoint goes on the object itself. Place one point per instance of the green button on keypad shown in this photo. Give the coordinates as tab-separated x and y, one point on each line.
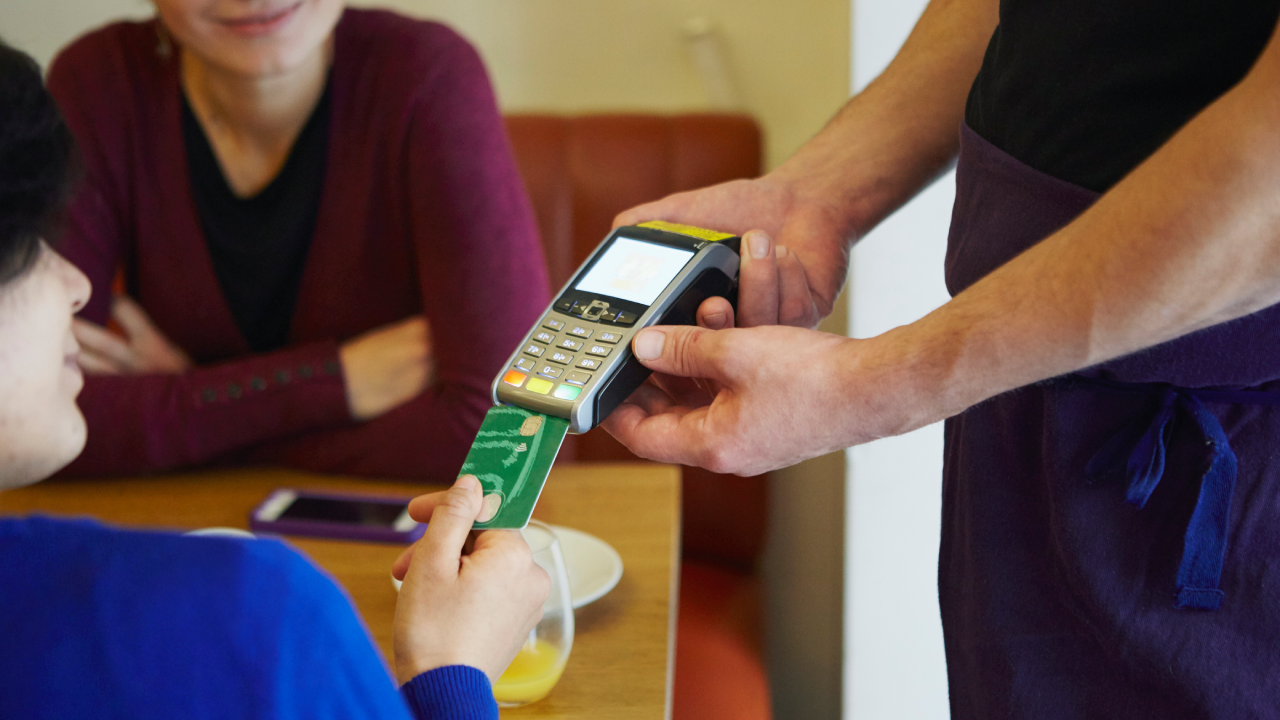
568	392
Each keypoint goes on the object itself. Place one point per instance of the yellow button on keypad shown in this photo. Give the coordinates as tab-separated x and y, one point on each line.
538	385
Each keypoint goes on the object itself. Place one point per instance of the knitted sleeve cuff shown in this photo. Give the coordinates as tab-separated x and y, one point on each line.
453	692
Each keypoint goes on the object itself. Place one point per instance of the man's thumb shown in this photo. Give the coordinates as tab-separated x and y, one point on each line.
681	350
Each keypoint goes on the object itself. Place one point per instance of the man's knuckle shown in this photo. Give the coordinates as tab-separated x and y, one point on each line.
724	354
718	356
683	349
718	458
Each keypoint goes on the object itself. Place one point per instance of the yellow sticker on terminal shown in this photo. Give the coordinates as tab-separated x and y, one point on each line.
691	231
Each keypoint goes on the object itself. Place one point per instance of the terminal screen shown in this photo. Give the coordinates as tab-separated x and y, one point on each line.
634	270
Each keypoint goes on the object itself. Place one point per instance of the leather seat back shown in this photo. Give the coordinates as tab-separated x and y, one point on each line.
580	172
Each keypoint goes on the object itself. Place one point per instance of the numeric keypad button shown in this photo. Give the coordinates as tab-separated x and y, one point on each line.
559	356
588	363
534	349
570	344
599	350
543	336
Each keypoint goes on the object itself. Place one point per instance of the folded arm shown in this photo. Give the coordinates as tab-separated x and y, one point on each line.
482	278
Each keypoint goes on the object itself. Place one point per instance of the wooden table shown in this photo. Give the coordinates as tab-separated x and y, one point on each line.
622	661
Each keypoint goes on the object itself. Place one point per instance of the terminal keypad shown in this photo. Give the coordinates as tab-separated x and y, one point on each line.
555	343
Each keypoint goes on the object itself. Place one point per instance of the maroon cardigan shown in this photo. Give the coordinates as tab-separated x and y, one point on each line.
422	212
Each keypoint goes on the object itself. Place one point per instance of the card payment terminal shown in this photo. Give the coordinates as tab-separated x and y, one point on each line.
577	362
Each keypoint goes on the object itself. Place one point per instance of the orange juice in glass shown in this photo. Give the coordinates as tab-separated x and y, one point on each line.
540	662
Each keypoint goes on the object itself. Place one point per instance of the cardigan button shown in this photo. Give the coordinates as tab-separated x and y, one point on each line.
234	391
304	372
332	368
282	377
209	395
258	384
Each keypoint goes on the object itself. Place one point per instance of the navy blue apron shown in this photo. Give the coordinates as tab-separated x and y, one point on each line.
1110	539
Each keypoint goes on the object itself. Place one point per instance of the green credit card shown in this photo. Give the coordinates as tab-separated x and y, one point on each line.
512	456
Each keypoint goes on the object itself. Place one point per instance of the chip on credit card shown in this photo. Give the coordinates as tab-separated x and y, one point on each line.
512	456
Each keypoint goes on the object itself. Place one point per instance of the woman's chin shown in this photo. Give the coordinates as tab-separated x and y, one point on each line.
74	436
265	61
38	461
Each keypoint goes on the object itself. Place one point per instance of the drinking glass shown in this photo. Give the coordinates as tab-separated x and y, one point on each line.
540	662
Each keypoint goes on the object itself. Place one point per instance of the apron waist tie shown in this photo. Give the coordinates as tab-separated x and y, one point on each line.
1139	452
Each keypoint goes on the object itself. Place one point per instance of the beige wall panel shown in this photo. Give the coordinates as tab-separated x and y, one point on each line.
790	60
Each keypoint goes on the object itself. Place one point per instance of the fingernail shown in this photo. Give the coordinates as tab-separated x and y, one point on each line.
468	483
715	321
759	244
649	343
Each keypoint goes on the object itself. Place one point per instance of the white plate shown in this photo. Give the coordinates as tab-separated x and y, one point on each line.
594	566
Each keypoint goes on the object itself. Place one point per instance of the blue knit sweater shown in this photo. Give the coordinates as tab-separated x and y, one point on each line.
96	622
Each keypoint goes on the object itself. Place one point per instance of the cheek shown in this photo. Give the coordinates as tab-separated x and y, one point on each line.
41	429
33	375
182	20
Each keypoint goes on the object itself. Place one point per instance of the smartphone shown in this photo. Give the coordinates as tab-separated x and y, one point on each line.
371	518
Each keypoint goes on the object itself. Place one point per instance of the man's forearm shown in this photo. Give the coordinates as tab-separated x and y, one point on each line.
1190	239
899	133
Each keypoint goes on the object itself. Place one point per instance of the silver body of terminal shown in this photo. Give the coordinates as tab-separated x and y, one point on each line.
580	347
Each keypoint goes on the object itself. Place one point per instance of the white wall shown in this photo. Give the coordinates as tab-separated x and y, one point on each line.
804	584
894	665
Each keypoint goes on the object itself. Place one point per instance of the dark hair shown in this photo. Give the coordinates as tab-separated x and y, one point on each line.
35	162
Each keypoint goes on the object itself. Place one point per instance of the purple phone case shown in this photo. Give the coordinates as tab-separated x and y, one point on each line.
341	531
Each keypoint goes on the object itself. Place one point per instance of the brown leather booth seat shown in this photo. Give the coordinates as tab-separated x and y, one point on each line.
580	172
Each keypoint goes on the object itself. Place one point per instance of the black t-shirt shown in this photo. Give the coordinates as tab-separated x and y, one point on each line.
1085	90
259	244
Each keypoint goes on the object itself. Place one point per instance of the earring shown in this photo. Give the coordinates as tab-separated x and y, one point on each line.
164	48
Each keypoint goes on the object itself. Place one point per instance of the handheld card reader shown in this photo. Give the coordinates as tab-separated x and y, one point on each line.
576	363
